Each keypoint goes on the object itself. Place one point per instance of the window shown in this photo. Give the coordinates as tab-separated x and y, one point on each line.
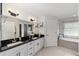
71	29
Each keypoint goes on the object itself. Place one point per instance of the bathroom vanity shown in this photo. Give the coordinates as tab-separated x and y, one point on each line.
26	48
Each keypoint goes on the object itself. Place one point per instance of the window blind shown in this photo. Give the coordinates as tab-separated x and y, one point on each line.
71	29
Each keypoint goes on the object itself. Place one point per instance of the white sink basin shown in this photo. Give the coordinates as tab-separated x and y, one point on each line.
12	44
34	38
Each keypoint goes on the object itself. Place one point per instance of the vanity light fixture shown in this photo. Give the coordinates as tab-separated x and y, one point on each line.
32	20
13	14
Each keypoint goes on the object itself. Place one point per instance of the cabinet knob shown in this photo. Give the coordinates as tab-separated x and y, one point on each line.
30	48
18	54
30	44
37	43
30	54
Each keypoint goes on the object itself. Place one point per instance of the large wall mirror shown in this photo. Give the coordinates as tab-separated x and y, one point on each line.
8	30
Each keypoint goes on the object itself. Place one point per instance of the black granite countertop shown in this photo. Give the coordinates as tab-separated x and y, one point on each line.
23	42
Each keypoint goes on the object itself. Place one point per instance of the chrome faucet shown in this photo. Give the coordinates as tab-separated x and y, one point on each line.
14	40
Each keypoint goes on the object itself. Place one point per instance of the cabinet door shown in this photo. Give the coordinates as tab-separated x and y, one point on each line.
23	51
36	46
10	52
31	48
39	44
2	53
42	42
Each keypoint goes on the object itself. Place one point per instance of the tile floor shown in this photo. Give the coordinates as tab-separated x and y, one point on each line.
56	51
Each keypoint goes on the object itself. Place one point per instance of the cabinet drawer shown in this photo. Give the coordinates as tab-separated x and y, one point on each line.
30	43
30	54
37	44
29	51
30	47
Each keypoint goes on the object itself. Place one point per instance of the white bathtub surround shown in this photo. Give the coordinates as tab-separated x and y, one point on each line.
70	39
56	51
69	43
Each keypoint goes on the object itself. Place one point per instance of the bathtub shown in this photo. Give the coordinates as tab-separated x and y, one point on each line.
69	43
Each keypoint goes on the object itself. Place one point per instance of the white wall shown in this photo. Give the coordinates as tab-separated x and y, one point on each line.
41	19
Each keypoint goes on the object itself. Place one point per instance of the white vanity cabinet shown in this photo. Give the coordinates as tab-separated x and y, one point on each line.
41	42
28	49
36	46
22	50
31	48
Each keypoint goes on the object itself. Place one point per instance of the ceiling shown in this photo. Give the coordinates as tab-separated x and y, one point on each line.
60	10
